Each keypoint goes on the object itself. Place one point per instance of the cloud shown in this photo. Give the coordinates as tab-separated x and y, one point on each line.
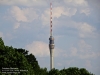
83	46
24	14
76	3
1	34
69	62
24	2
83	51
38	48
41	49
59	64
17	25
95	4
18	14
86	11
88	55
84	29
73	51
9	36
57	12
88	64
81	5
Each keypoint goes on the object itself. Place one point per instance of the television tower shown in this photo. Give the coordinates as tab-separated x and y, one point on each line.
51	40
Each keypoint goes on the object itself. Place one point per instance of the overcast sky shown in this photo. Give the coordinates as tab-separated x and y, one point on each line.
76	29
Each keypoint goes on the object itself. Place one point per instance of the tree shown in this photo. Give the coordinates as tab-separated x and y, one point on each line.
11	58
75	71
42	71
54	72
34	63
23	51
83	71
63	71
19	58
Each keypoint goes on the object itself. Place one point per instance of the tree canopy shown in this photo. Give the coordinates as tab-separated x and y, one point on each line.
28	65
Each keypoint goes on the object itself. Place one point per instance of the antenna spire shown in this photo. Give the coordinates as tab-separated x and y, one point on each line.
50	19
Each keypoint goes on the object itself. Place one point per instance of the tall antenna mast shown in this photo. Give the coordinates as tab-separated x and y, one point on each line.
51	40
50	19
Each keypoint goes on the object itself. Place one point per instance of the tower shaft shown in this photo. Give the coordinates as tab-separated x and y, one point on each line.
51	59
51	47
51	40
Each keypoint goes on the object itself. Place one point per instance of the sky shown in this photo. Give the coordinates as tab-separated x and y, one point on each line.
76	30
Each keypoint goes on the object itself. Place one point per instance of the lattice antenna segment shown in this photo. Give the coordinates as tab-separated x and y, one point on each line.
50	19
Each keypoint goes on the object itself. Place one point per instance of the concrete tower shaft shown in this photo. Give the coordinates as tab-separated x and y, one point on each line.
51	47
51	40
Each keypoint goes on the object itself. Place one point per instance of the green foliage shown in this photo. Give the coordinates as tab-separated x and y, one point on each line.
10	57
32	60
63	71
22	51
19	58
1	44
54	72
73	71
84	72
42	71
1	41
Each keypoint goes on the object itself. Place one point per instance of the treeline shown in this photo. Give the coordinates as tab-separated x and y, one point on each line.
27	64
